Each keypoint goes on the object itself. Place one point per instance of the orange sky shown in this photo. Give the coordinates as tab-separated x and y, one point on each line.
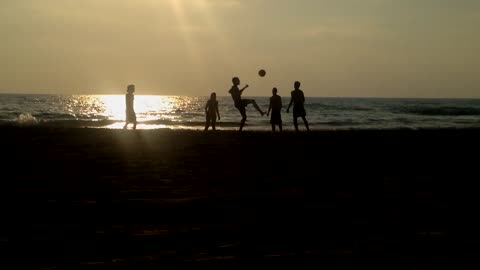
381	48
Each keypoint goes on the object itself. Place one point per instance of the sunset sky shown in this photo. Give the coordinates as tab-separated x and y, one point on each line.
358	48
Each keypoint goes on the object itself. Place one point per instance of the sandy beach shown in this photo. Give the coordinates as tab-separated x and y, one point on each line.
115	199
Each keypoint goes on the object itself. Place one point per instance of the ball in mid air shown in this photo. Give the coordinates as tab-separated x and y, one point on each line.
262	73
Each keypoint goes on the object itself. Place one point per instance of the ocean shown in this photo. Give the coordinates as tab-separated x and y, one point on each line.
184	112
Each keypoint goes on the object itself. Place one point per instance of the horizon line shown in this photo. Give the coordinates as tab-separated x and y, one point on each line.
353	97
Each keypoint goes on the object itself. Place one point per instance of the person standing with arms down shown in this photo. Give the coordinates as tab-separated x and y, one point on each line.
240	103
275	107
211	110
298	100
130	116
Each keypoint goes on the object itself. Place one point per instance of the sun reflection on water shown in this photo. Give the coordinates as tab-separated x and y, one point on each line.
149	109
146	107
108	111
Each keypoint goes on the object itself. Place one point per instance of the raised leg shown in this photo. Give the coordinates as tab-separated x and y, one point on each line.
254	103
258	108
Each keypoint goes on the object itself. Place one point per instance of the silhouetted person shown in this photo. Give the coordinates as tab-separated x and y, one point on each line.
211	110
275	107
298	100
240	103
131	117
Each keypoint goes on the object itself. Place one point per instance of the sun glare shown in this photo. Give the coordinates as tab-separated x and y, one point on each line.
147	108
189	29
183	25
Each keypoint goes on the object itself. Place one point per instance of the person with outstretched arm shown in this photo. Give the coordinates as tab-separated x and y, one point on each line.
240	103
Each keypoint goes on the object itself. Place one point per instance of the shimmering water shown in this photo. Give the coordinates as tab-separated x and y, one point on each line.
183	112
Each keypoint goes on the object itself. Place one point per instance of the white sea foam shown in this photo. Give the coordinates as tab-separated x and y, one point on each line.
26	119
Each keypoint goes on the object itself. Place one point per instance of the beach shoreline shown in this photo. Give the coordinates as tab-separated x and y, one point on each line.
95	198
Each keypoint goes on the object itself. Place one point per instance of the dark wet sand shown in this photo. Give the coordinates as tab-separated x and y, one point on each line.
113	199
